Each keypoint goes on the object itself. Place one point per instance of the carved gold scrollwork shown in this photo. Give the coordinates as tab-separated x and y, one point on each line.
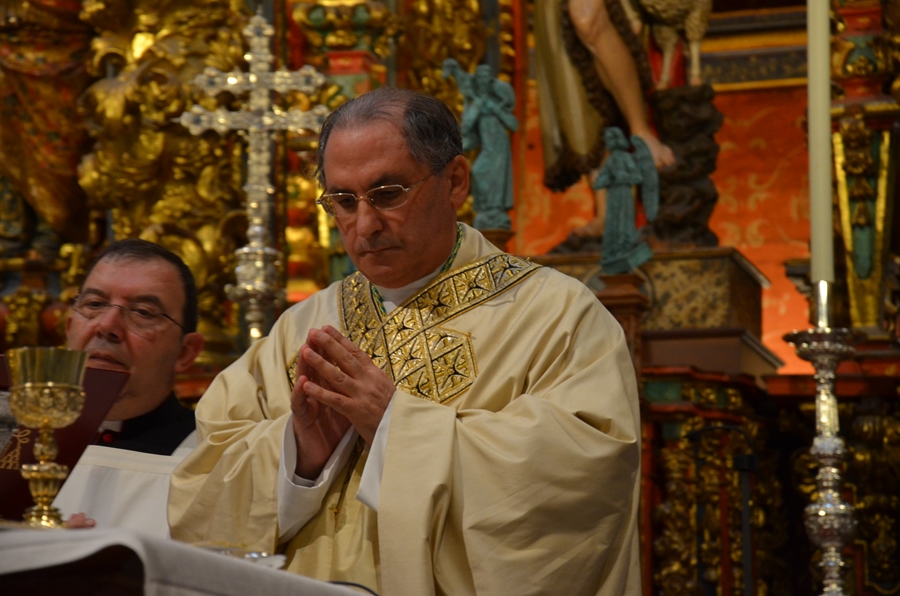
23	323
701	394
506	39
840	50
890	10
306	253
733	399
437	30
76	258
862	162
159	181
698	535
712	395
857	137
861	67
356	25
874	468
803	474
861	190
719	496
675	516
770	524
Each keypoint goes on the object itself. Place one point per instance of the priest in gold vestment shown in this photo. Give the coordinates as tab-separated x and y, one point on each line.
449	420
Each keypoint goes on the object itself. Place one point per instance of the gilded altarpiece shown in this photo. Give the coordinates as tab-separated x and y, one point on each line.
156	180
865	141
363	44
437	30
43	69
349	41
44	49
701	433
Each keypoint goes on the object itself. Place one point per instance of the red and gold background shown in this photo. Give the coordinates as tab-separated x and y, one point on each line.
763	207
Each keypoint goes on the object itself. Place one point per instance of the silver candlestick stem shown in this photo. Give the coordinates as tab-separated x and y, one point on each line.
830	521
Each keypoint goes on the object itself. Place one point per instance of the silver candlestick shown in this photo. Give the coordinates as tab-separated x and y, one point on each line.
830	521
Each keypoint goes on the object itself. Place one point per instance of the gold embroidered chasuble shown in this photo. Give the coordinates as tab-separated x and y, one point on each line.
512	455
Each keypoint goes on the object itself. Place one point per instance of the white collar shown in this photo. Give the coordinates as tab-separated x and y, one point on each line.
393	297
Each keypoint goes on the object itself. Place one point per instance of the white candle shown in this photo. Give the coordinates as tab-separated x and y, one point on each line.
819	97
823	300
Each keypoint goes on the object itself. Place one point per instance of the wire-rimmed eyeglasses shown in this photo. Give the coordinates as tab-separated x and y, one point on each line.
383	198
141	317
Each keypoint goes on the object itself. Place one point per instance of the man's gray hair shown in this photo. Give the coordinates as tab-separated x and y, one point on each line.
429	127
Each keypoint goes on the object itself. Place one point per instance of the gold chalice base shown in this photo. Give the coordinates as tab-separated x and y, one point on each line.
45	406
46	394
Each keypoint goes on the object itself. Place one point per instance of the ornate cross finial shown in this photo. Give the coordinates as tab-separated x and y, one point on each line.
257	287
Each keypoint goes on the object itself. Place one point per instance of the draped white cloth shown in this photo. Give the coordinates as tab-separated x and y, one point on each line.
127	564
119	488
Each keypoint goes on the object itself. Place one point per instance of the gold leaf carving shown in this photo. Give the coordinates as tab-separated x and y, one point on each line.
157	180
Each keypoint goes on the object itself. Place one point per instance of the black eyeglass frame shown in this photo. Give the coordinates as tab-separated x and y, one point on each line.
123	310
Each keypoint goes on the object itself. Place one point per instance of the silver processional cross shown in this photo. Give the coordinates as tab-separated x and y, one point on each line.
257	288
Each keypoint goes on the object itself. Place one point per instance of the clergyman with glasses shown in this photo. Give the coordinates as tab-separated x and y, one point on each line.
135	312
450	419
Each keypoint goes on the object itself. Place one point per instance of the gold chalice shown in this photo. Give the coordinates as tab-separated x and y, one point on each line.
46	393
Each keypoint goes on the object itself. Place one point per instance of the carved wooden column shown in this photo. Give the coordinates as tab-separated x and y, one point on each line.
865	118
704	441
624	299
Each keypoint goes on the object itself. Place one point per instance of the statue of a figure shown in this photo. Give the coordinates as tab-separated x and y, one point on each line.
623	250
592	72
487	115
43	69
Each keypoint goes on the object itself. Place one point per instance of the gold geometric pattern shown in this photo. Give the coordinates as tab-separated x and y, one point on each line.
412	343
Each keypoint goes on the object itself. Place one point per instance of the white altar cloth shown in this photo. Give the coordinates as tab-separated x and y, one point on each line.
122	562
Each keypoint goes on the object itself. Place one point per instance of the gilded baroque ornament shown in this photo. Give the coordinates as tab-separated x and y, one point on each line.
855	52
23	323
347	25
43	51
437	30
675	516
862	172
717	478
506	38
157	180
874	442
708	510
257	286
891	13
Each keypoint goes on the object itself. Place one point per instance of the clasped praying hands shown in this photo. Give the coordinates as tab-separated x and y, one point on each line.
338	386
